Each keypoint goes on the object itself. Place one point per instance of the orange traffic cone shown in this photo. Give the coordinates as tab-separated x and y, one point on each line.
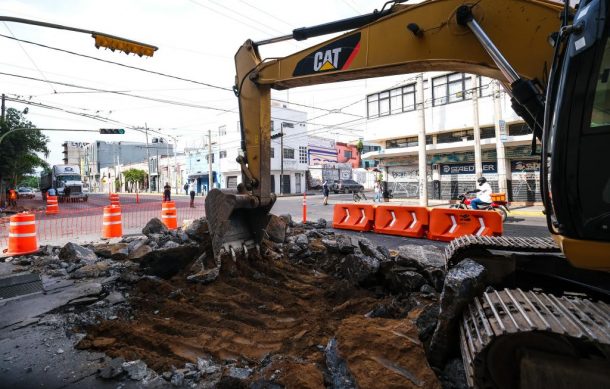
114	199
168	214
112	226
52	206
22	234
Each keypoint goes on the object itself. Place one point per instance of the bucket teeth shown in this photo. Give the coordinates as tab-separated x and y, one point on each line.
236	221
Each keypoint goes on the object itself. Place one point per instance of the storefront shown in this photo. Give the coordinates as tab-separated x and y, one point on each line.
452	174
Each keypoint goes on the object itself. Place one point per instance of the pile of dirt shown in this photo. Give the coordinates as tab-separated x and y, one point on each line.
271	323
272	311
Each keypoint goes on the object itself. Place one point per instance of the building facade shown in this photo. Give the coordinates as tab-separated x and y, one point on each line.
74	152
288	154
99	155
348	153
456	108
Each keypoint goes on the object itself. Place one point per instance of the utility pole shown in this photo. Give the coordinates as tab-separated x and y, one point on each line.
210	155
176	166
478	163
281	158
147	159
500	133
3	106
421	141
169	175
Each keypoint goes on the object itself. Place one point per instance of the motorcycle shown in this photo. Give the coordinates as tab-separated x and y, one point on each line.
499	206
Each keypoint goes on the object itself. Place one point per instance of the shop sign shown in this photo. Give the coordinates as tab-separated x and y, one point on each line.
468	168
524	166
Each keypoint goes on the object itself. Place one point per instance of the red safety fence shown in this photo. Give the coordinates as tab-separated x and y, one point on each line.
401	220
447	224
85	223
357	217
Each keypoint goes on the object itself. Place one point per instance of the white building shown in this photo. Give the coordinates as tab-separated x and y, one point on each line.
394	120
226	144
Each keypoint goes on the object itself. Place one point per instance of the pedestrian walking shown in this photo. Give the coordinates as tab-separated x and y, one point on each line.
167	192
186	188
191	189
326	192
377	189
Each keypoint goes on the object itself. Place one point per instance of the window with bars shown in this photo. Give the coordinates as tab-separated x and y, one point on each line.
488	132
303	154
449	88
519	129
222	154
222	130
288	153
390	102
406	142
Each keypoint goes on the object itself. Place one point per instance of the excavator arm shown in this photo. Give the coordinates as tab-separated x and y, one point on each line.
509	40
434	35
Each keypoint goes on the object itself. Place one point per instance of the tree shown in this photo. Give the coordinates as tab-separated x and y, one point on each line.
18	150
360	146
29	181
134	176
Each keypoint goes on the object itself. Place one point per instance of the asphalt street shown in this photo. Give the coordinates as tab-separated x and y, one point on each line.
82	220
521	226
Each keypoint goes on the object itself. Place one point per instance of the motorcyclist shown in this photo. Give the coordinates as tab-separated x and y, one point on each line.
483	193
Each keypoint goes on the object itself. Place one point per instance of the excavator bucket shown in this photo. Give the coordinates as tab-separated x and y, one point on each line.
236	221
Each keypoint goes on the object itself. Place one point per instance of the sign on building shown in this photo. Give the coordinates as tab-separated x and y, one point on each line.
468	168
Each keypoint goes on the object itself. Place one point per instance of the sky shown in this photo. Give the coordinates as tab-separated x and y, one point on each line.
197	40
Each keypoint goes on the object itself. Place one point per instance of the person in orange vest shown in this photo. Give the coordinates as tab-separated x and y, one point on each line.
12	197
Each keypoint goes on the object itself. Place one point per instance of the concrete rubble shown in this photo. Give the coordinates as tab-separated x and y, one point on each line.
155	303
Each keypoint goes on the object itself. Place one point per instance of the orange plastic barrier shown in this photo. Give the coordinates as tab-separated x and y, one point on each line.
168	214
447	224
401	220
112	226
52	205
357	217
114	199
22	235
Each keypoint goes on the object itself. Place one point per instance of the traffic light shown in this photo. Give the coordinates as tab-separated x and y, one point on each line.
112	131
124	45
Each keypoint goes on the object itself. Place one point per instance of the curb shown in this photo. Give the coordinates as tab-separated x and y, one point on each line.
526	213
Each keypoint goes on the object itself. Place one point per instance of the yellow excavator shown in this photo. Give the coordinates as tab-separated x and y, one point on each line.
546	322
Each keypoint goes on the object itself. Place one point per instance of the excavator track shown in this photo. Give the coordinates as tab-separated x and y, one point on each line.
463	246
511	338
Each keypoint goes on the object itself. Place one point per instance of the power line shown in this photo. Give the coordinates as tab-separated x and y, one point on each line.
172	102
155	73
29	57
229	17
266	13
119	64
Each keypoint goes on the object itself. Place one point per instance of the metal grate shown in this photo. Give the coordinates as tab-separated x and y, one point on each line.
19	284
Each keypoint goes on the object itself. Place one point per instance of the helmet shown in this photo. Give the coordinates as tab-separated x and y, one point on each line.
481	180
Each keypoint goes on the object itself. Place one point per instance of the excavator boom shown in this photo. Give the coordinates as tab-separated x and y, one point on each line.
402	39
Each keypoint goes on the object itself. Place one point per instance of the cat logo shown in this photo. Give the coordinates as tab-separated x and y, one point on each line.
327	60
337	55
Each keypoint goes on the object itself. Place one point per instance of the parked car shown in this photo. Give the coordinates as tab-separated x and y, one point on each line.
25	193
346	186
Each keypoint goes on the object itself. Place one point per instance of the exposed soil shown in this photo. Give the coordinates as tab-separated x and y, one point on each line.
272	316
